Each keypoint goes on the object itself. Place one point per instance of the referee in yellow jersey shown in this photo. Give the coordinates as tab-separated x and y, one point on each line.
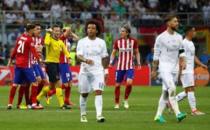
54	46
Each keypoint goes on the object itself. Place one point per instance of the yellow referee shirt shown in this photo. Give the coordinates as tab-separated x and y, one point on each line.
54	48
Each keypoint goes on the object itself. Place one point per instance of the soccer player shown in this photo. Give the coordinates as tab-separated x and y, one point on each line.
23	69
40	76
92	52
64	67
187	75
53	49
128	48
168	52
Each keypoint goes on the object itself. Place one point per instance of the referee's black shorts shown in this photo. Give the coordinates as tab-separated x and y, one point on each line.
52	70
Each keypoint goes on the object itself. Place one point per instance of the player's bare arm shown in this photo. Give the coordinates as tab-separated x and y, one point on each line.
112	57
82	59
137	55
198	62
155	64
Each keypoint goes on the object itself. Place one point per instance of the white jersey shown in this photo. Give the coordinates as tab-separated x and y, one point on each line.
94	50
190	56
166	51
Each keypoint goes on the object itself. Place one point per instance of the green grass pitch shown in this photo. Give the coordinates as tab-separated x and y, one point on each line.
143	104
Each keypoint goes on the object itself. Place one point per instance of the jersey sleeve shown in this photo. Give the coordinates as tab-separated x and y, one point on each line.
116	45
47	39
80	48
104	50
157	48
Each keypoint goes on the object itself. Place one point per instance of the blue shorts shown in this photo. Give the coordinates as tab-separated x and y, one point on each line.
124	74
65	72
23	75
38	71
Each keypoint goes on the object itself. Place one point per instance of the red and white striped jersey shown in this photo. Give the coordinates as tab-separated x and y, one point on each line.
63	58
126	49
38	44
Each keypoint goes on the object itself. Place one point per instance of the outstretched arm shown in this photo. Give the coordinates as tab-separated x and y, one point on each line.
198	62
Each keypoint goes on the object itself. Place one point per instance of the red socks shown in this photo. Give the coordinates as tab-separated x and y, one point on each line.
34	94
128	90
20	94
67	94
12	93
51	92
117	94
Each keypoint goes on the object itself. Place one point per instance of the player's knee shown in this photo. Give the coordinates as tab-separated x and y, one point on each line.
189	89
172	91
129	82
98	92
117	85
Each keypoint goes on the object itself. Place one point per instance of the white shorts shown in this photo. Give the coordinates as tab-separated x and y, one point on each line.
187	80
168	80
90	82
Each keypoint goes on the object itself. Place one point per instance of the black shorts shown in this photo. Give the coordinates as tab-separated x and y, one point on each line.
52	70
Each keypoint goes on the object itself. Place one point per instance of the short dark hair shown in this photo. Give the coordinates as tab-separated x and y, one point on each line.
188	28
98	26
56	26
37	24
169	17
29	26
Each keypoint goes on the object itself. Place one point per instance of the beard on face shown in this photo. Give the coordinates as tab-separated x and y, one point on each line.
174	28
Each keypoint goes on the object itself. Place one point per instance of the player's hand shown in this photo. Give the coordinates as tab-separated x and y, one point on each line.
183	65
106	72
139	66
154	75
89	62
48	30
204	66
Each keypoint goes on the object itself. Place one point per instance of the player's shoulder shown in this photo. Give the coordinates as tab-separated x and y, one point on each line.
178	35
100	40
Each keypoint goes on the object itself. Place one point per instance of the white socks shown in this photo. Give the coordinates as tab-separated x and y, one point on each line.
83	103
181	96
162	103
98	105
191	100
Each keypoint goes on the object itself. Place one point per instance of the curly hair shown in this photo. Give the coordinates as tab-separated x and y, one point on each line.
98	26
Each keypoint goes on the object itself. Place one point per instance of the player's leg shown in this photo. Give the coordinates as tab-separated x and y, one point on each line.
66	78
31	78
169	82
161	105
50	70
27	98
17	80
98	86
84	89
128	89
20	96
188	85
118	78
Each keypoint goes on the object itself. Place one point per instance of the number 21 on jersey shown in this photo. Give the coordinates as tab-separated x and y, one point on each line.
21	45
